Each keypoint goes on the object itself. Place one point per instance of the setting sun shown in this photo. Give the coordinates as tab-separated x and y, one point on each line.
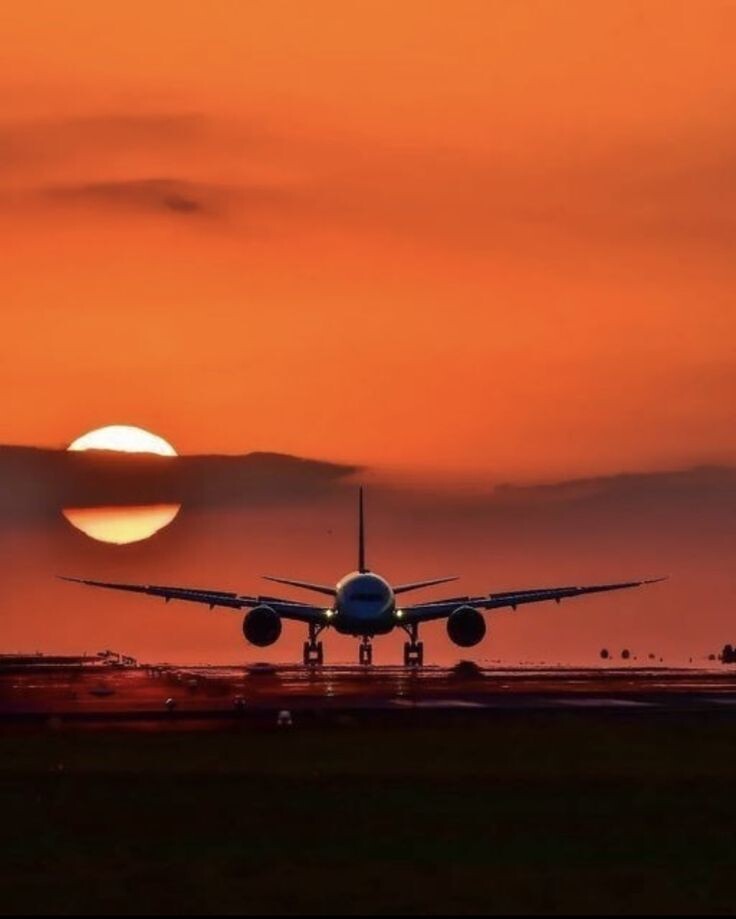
122	525
125	438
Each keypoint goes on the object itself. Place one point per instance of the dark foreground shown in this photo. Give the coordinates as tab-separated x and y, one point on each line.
605	812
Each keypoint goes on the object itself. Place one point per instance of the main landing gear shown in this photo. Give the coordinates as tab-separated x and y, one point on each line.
413	649
313	651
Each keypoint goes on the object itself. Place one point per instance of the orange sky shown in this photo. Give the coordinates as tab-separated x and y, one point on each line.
491	237
487	240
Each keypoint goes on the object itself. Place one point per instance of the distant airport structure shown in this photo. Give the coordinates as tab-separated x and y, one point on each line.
363	604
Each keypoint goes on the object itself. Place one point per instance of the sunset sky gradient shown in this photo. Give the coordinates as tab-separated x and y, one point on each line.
493	238
467	242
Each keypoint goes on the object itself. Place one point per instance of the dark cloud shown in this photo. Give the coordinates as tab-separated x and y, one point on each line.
141	163
39	482
157	194
624	488
640	512
626	502
673	190
681	190
173	196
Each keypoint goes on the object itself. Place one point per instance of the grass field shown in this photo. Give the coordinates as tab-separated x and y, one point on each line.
515	813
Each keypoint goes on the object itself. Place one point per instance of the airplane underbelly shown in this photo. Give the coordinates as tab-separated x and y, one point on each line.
364	619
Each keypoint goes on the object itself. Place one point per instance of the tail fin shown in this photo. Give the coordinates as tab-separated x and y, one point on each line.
361	533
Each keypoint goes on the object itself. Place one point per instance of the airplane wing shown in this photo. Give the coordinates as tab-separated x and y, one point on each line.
441	609
288	609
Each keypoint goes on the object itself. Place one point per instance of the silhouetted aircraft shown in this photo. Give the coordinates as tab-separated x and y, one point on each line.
363	604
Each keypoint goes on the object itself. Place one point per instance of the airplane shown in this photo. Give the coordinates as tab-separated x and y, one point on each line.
363	604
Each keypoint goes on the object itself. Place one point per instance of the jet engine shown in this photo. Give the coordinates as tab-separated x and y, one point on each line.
466	626
262	626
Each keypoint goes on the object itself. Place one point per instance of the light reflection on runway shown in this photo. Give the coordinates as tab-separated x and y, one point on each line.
103	690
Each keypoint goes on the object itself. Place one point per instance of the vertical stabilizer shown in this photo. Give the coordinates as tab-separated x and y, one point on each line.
361	533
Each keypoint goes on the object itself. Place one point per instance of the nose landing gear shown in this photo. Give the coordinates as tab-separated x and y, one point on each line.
365	652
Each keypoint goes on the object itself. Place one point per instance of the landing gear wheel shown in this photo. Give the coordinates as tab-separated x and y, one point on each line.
365	653
313	654
413	653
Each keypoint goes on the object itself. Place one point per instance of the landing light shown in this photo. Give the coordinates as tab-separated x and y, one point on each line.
399	613
329	613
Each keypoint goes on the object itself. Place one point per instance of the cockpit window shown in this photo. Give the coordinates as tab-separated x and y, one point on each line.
366	595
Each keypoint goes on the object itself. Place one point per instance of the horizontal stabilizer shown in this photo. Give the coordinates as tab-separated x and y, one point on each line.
416	585
305	585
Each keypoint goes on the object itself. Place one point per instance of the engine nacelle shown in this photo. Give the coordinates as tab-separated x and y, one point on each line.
262	626
466	626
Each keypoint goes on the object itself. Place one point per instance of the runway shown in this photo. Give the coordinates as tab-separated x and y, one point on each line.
498	786
93	691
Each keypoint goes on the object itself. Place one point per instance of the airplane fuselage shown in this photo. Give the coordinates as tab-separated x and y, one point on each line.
365	605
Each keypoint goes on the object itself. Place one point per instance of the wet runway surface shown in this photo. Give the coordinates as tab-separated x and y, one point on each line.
103	693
